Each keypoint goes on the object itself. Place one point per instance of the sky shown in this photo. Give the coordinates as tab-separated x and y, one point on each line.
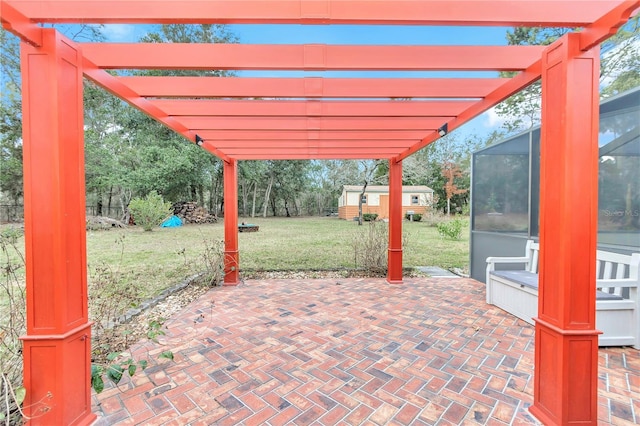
356	35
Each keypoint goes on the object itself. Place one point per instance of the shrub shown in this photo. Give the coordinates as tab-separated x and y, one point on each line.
369	217
12	325
213	257
370	246
451	230
416	217
150	211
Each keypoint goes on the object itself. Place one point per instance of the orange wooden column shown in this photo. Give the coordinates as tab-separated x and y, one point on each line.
394	270
231	256
57	349
566	349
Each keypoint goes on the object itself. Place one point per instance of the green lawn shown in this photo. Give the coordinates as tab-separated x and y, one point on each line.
158	259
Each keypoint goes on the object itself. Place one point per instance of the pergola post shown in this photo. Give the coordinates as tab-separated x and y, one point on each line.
394	268
231	256
566	343
57	349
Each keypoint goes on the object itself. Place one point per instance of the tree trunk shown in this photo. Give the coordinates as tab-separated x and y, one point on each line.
364	188
109	200
99	204
244	188
253	204
448	206
320	201
201	194
286	208
266	197
215	185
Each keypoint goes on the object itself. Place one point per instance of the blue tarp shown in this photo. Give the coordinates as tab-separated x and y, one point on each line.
172	222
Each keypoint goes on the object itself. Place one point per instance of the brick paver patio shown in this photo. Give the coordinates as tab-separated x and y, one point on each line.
349	351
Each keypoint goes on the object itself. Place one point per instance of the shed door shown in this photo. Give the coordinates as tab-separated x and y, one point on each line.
384	206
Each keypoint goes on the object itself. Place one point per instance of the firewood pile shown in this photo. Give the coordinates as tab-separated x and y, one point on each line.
190	212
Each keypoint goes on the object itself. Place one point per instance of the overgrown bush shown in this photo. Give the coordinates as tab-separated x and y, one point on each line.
370	247
369	217
451	229
12	325
213	258
150	211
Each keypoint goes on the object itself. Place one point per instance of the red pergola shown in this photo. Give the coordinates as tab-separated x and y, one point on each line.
310	118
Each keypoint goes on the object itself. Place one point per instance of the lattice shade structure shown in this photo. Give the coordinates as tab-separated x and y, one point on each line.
242	118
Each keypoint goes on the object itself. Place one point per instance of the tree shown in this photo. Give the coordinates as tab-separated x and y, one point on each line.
522	110
368	170
620	64
620	71
451	172
11	182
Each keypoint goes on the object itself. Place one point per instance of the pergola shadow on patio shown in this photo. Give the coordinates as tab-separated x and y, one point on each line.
310	117
350	351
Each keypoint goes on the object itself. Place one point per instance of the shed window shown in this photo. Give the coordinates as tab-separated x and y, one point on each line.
415	200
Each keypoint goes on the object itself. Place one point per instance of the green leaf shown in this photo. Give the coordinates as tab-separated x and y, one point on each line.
167	355
97	383
132	369
113	355
2	416
143	364
21	392
114	373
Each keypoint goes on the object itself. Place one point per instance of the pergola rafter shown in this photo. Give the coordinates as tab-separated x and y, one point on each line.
273	118
309	57
549	13
312	87
282	108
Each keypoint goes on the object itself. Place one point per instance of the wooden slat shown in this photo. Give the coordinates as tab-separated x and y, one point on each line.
204	107
309	57
311	124
388	12
312	87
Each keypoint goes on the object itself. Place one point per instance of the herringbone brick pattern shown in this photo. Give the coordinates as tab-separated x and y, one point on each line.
349	352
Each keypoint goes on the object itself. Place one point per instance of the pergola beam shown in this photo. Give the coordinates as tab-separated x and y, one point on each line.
197	123
219	56
368	135
317	155
257	108
388	12
312	87
308	152
607	25
356	145
15	22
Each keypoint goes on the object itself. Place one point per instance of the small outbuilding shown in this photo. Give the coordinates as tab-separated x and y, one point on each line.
416	199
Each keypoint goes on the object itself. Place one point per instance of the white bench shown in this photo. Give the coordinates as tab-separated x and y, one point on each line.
617	297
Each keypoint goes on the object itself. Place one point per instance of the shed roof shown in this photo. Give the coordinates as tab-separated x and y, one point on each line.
385	188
